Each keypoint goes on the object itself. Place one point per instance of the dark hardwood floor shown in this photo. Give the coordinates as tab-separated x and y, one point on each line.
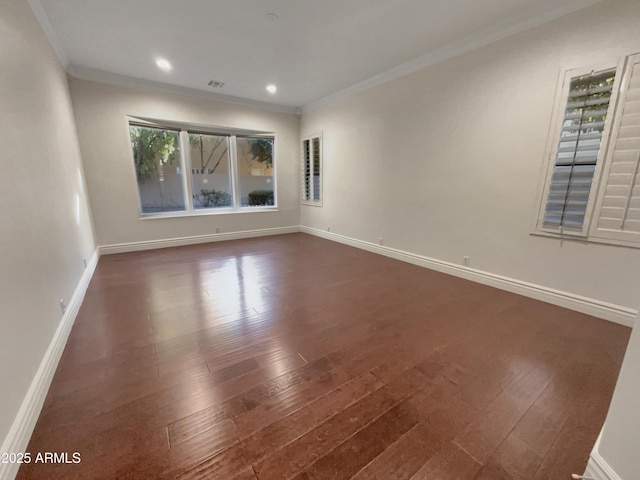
292	357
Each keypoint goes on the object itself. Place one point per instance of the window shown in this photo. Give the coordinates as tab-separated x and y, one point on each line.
226	170
592	185
312	170
578	148
255	155
156	156
211	177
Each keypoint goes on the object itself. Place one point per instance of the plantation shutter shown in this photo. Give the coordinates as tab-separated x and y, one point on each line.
578	150
619	212
306	170
312	170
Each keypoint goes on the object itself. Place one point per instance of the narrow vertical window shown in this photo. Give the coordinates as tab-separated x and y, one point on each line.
312	170
592	184
578	150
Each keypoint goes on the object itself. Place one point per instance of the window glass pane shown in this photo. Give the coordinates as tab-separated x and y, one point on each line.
255	171
156	154
210	178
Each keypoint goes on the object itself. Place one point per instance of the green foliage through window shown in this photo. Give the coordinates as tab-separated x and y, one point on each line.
152	146
215	170
215	198
260	197
262	150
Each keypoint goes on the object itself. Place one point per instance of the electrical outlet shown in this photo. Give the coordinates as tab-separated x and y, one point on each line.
63	307
84	262
381	241
217	229
328	229
465	261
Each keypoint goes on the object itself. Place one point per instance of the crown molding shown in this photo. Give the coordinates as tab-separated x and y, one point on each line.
94	75
42	17
86	73
467	44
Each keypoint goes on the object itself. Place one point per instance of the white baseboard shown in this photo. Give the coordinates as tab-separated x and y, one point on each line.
181	241
19	435
20	432
607	311
597	467
17	440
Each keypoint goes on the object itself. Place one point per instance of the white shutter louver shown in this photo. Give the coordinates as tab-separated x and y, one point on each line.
578	150
619	205
306	170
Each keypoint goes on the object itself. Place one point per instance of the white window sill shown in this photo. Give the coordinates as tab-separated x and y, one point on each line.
207	212
596	240
311	204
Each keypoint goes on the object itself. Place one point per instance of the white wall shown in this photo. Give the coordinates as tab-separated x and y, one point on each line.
101	112
44	219
446	162
620	440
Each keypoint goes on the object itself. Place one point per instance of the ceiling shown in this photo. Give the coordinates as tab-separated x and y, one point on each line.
313	49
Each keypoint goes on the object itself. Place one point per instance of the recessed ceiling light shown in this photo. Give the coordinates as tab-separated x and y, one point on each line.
163	64
272	89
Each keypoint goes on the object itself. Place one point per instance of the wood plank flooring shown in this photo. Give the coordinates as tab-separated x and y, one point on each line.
292	357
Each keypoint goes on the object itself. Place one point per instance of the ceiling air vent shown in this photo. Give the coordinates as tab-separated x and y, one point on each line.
215	84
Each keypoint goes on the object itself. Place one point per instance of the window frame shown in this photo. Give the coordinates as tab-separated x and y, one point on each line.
186	166
553	142
310	201
237	177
